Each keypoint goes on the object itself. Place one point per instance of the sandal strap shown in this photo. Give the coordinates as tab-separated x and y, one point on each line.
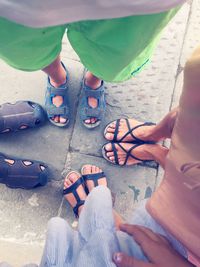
93	112
73	189
116	131
94	177
53	110
129	153
57	91
131	131
115	153
79	204
97	93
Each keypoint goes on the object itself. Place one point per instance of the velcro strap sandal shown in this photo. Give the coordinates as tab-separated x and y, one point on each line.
87	112
63	110
20	115
22	173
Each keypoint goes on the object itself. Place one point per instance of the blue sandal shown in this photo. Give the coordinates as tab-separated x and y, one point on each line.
52	110
20	115
72	189
87	112
19	175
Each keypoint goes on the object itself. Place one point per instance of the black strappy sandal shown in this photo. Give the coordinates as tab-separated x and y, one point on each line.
20	175
128	154
130	131
72	189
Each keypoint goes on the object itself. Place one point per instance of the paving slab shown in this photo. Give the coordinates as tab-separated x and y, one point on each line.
146	97
47	143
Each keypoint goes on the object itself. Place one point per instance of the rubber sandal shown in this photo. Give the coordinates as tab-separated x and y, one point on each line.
72	189
130	131
20	115
87	112
128	154
19	175
92	177
63	110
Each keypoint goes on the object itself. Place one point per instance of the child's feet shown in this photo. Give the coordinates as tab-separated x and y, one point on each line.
91	173
74	191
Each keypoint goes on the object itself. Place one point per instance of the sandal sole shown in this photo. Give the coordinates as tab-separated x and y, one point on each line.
58	124
92	126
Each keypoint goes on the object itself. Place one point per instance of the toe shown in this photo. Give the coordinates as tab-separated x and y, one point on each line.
112	158
86	169
93	169
109	136
97	169
111	129
56	119
73	177
63	120
87	121
93	120
67	183
108	147
109	154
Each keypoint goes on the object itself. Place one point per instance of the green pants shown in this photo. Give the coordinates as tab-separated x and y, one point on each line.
113	50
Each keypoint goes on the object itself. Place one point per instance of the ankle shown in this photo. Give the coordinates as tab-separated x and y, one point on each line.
152	133
159	154
92	81
58	82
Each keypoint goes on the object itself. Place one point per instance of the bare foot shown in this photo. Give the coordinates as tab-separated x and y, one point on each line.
94	83
144	132
91	169
153	133
144	152
71	178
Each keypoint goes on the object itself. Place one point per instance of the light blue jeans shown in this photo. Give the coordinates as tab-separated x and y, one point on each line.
96	239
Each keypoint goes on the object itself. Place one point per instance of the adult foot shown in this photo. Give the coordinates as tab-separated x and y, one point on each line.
71	179
94	83
129	154
125	130
92	169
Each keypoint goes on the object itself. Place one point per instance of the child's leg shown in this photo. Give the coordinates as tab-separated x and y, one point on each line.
59	243
97	212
